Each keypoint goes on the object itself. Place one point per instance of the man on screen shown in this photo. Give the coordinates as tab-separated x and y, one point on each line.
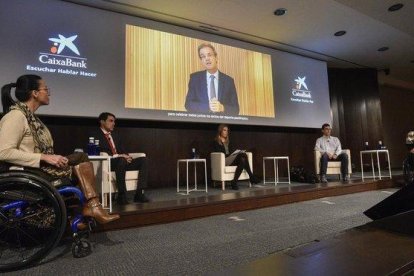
121	161
331	150
211	91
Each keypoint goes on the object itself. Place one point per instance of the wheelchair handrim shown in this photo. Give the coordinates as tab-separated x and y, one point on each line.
36	184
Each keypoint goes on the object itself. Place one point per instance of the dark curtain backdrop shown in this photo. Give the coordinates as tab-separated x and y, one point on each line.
165	142
356	109
398	119
355	103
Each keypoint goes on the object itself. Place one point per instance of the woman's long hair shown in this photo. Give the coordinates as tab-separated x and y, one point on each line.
219	131
24	86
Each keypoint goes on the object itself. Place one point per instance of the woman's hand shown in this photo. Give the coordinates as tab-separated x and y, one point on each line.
55	160
127	157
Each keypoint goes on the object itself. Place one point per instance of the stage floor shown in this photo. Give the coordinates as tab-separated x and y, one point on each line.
382	247
169	206
167	194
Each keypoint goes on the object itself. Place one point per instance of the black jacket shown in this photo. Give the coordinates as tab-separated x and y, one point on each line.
220	148
408	169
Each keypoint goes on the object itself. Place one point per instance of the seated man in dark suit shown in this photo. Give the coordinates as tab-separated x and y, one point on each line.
121	162
211	91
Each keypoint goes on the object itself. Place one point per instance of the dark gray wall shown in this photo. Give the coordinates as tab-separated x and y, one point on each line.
398	119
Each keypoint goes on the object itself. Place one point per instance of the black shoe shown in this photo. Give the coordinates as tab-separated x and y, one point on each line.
122	200
234	186
254	179
141	198
345	178
323	179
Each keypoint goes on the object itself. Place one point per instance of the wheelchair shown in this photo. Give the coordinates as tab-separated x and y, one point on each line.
33	217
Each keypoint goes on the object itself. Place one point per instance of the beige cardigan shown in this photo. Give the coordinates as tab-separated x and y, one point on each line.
16	141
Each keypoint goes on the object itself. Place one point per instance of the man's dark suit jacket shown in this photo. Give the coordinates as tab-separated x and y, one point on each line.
197	96
103	143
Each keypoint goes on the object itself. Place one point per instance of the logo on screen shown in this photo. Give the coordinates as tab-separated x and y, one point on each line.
64	53
63	42
301	88
63	57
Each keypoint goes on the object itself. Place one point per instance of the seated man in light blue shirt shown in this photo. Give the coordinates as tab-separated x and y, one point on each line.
331	150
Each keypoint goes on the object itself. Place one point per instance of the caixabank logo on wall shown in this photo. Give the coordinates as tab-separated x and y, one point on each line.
63	57
300	91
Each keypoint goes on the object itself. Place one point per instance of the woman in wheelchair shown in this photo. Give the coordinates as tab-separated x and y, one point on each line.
222	144
25	141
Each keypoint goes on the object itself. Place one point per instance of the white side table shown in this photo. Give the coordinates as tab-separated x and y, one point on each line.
102	158
195	161
276	168
377	152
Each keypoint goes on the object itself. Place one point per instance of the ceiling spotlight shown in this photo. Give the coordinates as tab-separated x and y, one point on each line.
395	7
340	33
382	49
280	12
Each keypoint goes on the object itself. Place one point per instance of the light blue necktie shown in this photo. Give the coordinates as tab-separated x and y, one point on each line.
212	88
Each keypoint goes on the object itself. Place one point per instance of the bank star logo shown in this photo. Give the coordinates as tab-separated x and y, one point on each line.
63	42
301	82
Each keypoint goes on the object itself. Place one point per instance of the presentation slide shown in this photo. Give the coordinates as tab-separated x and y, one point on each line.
96	61
159	65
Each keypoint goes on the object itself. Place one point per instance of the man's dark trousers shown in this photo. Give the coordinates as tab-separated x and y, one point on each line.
120	166
343	157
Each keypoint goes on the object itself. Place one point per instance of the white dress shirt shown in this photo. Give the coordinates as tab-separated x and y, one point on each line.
111	140
328	144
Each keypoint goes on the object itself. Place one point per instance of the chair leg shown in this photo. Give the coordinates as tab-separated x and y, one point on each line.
105	200
223	185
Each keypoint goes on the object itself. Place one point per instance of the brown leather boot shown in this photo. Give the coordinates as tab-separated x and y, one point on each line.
93	208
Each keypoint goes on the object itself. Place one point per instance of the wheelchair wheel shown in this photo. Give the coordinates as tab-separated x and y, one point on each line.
32	219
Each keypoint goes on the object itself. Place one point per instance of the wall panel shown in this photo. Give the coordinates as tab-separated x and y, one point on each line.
355	102
398	119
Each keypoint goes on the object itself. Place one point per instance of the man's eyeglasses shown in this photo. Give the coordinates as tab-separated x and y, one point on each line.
47	89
